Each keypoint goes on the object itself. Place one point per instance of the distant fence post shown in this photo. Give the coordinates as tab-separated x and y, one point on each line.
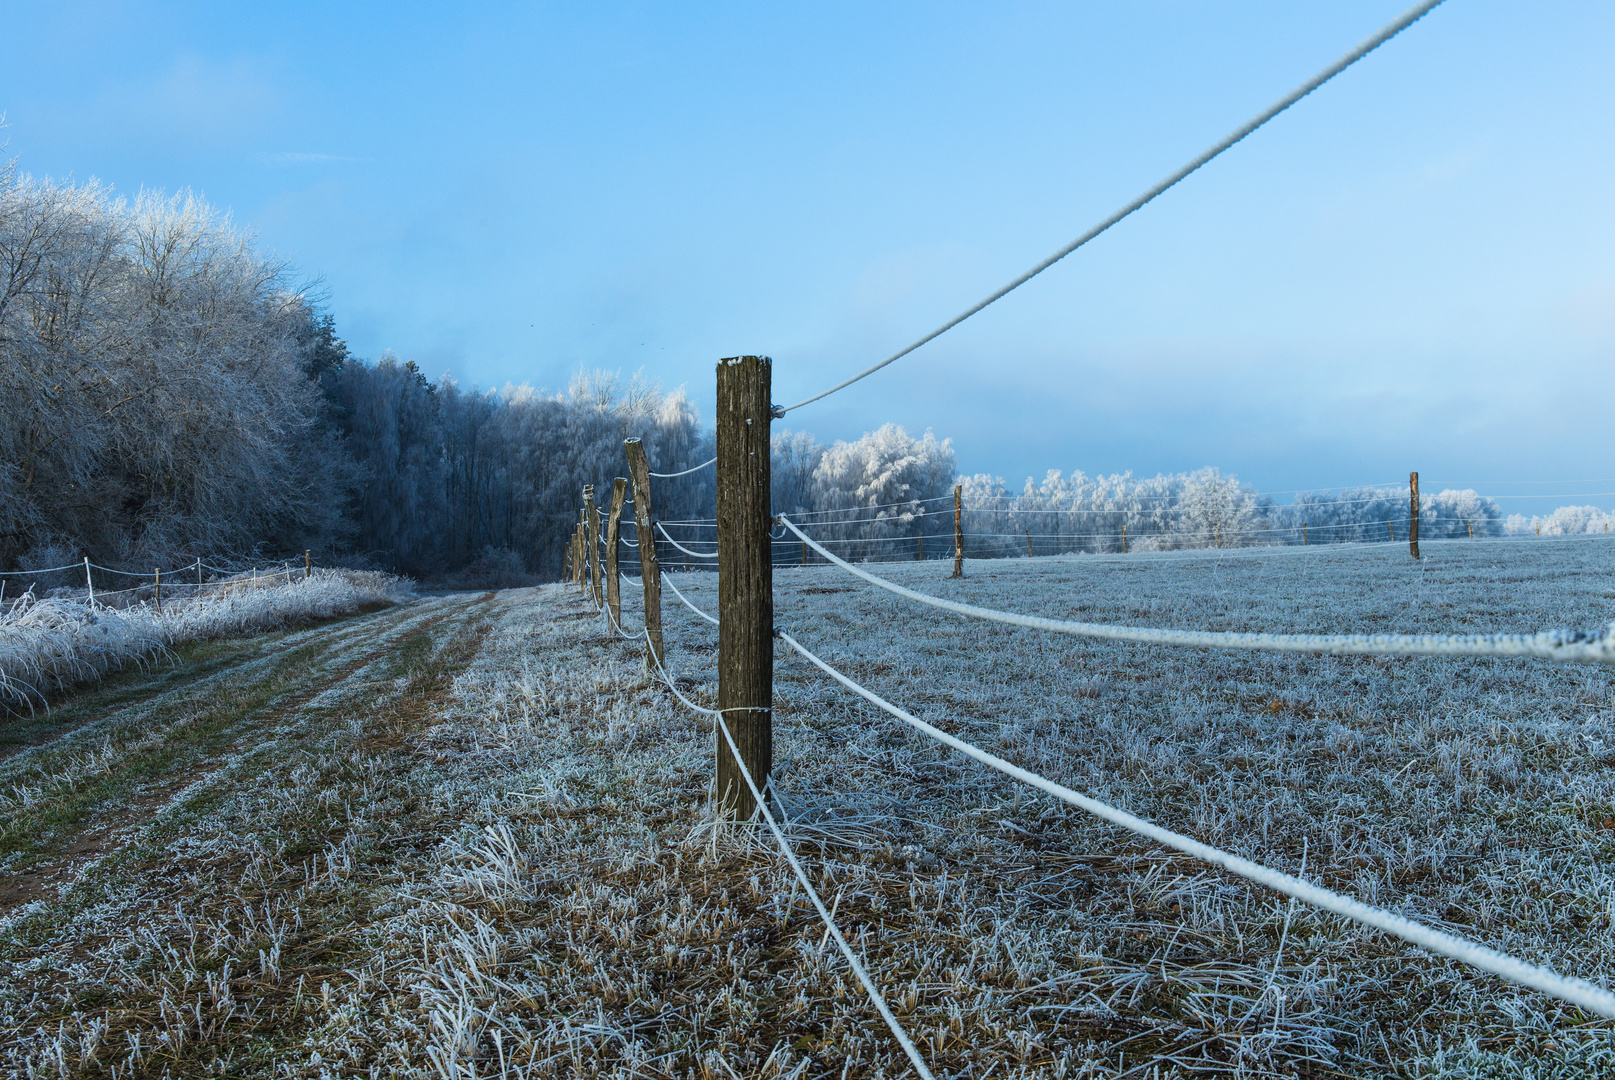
745	581
157	587
1413	514
619	492
308	564
591	540
1391	529
1471	525
199	575
1124	538
1303	534
958	532
650	574
919	554
1028	542
89	583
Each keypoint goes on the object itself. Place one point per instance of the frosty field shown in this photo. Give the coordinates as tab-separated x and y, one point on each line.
469	837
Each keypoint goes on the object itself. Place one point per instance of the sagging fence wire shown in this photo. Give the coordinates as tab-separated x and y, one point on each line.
681	547
721	727
1565	646
1576	991
686	472
1391	29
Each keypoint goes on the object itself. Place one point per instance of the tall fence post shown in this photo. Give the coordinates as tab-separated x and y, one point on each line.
619	492
650	574
308	564
591	540
1413	514
745	581
157	587
89	583
958	532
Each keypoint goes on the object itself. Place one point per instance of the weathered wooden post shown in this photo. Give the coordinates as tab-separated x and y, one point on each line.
1124	538
650	574
804	553
199	575
919	554
89	583
157	587
745	581
1028	533
1471	525
591	541
1391	529
308	564
1303	534
958	532
1413	514
619	492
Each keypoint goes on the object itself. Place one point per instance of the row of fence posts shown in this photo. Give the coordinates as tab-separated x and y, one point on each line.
157	578
745	568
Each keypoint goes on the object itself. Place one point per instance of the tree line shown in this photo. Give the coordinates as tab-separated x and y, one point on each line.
170	393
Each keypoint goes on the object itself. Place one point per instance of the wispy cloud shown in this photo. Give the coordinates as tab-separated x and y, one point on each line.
297	157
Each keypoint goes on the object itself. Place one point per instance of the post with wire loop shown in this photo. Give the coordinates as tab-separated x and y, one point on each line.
650	574
958	532
89	583
619	492
591	541
745	581
1413	514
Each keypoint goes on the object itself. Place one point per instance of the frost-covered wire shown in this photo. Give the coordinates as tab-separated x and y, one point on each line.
1396	26
681	547
1577	991
669	583
686	472
1579	646
875	996
52	570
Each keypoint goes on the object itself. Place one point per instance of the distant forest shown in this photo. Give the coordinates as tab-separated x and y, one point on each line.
170	395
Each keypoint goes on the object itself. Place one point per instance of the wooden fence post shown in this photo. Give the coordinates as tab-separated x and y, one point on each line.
89	583
650	574
1028	542
919	555
591	541
745	581
308	564
1471	525
958	532
619	492
1413	514
157	587
1391	529
804	553
1303	534
199	575
1124	538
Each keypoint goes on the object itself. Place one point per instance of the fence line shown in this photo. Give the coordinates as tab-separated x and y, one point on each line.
687	551
1576	991
1580	646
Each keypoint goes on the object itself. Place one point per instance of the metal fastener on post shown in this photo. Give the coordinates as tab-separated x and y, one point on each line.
745	581
650	573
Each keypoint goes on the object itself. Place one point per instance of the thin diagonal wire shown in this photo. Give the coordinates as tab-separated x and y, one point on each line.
1579	646
681	547
669	583
1576	991
686	472
1396	26
875	996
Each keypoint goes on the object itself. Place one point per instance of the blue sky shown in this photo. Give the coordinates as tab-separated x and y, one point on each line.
1414	268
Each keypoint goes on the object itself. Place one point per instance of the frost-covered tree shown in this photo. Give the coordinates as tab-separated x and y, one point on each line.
872	496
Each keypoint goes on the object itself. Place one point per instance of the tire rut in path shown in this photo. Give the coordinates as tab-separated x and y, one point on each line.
260	690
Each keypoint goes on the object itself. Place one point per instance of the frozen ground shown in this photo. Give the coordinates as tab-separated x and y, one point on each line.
468	837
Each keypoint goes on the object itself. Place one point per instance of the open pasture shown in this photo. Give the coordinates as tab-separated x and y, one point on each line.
480	843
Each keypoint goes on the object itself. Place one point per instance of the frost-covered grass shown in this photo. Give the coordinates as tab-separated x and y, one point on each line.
474	840
46	644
